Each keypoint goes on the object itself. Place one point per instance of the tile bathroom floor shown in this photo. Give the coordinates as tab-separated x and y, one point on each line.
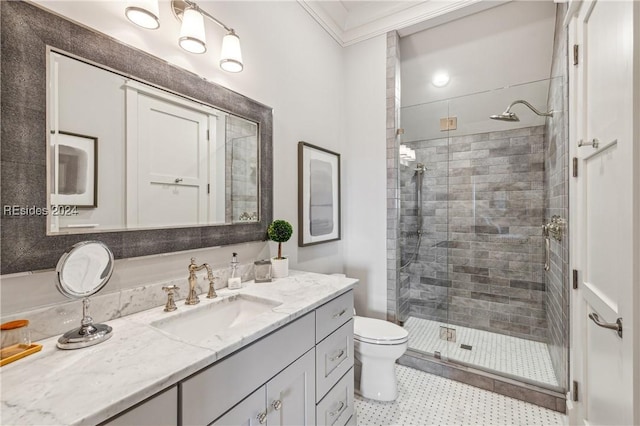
491	351
426	399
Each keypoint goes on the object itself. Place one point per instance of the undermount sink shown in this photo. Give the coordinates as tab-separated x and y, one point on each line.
196	324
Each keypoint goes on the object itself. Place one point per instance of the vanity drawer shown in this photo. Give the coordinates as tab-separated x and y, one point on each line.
159	410
333	314
336	409
334	356
208	394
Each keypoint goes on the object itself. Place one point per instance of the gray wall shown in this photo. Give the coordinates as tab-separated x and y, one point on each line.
480	263
557	203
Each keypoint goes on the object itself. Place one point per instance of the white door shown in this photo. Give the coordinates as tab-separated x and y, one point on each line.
604	220
172	164
291	398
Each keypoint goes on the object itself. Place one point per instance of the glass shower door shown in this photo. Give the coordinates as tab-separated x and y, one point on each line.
424	276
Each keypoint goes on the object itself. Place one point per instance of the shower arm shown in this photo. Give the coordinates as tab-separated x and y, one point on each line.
531	107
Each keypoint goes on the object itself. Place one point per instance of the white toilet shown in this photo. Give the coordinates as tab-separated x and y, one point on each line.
377	346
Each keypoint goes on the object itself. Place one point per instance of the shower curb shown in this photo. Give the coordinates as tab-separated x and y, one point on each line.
552	400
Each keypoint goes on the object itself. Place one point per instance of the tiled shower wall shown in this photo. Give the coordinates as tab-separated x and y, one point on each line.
480	262
557	202
396	293
241	170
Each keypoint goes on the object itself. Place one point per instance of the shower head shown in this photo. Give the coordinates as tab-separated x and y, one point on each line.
507	115
420	168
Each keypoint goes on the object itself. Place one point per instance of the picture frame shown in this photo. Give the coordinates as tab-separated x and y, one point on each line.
75	171
319	216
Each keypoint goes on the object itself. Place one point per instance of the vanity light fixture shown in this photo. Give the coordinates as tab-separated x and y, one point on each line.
192	36
192	33
144	13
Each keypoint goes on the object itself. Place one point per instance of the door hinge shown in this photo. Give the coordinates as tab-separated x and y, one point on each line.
208	135
575	279
575	166
576	52
208	188
574	391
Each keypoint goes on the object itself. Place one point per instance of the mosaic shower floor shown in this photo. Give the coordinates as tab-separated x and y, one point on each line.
490	351
425	399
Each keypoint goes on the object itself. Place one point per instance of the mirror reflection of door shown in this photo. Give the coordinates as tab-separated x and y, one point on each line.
172	164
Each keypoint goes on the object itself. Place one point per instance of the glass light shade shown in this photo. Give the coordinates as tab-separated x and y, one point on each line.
192	36
440	79
143	13
231	56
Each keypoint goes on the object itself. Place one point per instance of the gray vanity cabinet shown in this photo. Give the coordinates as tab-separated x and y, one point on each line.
301	374
159	410
286	399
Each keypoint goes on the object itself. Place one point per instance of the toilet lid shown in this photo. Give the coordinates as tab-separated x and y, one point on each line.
372	330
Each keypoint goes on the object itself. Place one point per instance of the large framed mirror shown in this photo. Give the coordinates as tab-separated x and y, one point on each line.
125	155
79	162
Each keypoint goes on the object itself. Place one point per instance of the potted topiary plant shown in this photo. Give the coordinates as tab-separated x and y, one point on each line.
280	231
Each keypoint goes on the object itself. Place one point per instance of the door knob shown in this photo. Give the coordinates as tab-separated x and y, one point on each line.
262	417
593	142
277	405
617	326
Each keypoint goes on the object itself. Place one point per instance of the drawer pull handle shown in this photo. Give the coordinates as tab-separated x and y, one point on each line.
262	417
277	405
335	413
339	314
337	356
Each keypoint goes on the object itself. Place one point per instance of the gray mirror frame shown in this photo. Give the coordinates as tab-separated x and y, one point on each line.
27	31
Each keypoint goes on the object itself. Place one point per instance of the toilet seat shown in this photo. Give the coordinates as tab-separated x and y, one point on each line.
378	332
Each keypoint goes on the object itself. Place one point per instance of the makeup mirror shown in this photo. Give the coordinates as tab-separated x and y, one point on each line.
82	271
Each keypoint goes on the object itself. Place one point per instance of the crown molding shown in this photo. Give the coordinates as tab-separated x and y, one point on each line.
334	17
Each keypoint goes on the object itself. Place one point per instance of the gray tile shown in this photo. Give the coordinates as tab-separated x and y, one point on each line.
470	378
534	397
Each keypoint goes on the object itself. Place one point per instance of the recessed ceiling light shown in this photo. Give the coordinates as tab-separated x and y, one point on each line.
440	79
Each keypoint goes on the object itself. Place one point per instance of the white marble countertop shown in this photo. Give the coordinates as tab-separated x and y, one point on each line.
90	385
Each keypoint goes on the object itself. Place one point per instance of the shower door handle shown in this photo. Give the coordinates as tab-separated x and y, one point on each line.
547	246
547	253
617	326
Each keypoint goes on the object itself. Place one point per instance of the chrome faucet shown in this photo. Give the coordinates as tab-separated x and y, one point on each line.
192	298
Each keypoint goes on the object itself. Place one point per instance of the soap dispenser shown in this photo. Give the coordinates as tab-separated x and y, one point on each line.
234	282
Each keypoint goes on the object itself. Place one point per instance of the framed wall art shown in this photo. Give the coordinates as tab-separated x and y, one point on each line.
76	170
318	195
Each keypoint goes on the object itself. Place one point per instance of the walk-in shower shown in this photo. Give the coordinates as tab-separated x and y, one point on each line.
472	248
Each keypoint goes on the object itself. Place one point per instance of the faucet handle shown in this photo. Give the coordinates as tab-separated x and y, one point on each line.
212	292
171	304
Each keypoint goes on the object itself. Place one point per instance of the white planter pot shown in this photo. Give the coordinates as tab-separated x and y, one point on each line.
279	268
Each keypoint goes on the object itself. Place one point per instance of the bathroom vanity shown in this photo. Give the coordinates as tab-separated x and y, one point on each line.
276	353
